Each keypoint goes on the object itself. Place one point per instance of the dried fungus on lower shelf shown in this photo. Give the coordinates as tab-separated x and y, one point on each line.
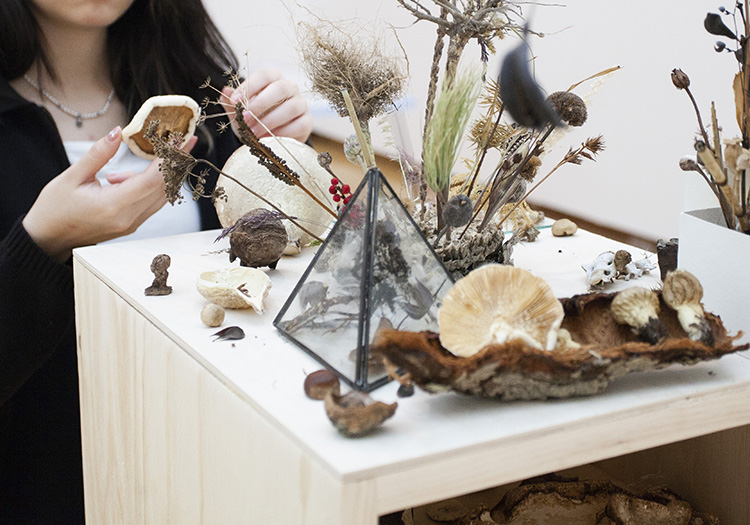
514	370
555	500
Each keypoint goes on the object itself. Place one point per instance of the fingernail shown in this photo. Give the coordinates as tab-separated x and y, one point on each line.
112	135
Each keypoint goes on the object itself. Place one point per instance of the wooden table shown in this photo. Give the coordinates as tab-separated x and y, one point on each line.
180	429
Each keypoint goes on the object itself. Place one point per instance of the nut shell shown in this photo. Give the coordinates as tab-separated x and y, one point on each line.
175	113
496	304
235	287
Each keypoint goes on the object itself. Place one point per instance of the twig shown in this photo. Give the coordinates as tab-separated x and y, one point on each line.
363	143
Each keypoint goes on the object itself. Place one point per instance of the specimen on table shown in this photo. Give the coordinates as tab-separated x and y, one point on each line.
374	266
596	344
258	238
174	114
564	228
724	168
317	384
160	269
237	287
212	315
609	266
355	413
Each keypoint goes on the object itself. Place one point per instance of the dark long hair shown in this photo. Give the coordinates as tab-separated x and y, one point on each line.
157	47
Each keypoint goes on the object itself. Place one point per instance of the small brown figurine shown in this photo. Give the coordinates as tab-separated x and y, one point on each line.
159	267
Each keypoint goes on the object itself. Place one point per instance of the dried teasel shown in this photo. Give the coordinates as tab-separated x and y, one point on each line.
495	304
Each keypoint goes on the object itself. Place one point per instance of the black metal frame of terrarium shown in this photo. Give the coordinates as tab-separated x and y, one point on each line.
374	267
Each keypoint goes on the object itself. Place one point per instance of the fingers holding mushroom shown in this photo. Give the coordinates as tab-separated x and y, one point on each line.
176	114
682	291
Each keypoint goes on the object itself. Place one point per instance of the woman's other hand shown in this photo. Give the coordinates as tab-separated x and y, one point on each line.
273	99
74	209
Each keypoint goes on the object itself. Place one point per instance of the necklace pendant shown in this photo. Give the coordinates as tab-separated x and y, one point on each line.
79	121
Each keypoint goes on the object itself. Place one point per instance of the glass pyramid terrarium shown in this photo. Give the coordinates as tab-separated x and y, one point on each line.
375	267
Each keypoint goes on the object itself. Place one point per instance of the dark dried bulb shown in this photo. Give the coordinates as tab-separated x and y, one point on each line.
715	25
680	79
570	107
457	211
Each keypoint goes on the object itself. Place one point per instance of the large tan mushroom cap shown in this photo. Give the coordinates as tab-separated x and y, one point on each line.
244	166
495	304
175	113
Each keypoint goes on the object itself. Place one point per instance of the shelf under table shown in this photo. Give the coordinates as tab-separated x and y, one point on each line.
179	428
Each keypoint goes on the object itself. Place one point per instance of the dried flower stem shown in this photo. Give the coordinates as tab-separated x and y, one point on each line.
250	139
363	142
698	115
587	150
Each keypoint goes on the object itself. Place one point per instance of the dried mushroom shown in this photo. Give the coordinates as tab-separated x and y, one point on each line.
257	239
603	351
495	304
682	291
235	287
356	414
175	114
638	308
559	501
319	383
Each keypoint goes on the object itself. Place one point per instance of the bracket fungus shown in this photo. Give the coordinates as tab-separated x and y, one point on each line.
682	292
495	304
235	287
638	308
176	114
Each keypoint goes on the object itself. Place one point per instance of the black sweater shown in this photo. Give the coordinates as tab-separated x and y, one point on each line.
40	445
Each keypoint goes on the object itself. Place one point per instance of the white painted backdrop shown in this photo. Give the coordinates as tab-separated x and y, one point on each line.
636	184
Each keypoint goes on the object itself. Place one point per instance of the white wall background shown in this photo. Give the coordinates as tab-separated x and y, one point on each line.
636	184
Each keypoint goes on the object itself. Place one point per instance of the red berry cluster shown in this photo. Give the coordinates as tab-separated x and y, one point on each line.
340	192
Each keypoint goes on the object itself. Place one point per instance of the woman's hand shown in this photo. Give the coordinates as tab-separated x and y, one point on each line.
273	99
74	209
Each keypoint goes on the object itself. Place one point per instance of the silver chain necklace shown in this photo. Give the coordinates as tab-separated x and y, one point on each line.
80	117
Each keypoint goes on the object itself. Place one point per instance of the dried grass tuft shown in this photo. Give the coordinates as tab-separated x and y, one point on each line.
335	60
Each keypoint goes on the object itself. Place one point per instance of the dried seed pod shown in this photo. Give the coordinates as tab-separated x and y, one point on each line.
230	333
356	414
683	292
175	114
212	315
258	239
570	107
496	304
319	383
457	211
638	308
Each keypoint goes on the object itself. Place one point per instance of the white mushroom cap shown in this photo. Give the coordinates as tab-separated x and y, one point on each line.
238	287
244	166
682	292
175	113
495	304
